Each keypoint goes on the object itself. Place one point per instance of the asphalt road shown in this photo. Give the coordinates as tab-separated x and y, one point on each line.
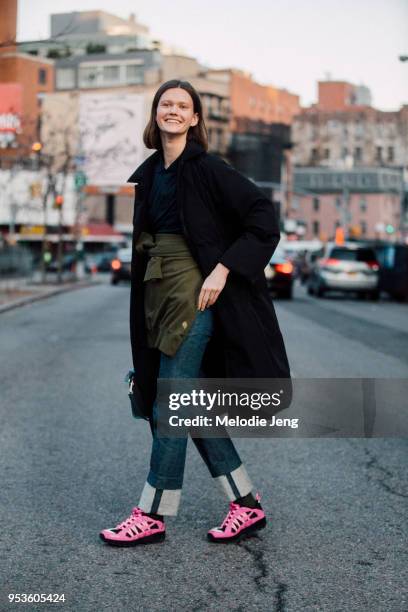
73	461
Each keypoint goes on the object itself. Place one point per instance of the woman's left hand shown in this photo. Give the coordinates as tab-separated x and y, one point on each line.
212	287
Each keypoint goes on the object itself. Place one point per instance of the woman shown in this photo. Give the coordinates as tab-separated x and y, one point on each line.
199	304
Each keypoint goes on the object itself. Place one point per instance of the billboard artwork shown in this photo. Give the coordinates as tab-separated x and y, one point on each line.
11	106
111	128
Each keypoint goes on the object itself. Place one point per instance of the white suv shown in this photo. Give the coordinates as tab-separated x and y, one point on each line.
347	267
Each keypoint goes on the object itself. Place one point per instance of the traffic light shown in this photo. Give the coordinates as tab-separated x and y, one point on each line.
58	202
389	228
36	147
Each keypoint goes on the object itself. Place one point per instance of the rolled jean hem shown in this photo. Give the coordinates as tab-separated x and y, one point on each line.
160	501
235	484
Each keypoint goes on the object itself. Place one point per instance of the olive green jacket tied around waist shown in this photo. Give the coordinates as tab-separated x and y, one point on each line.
172	285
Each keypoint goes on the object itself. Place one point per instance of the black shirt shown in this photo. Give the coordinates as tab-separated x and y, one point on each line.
163	212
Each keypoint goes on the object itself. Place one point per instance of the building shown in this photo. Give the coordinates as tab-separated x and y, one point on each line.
342	130
366	202
84	32
340	138
358	136
340	95
24	79
254	105
260	119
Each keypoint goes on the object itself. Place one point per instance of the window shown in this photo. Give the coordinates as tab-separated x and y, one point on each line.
314	154
353	254
89	76
42	76
378	154
134	74
315	203
358	154
363	205
316	228
338	202
65	78
327	153
345	152
363	226
111	74
390	154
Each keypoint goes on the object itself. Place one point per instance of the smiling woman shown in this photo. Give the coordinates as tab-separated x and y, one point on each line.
199	305
176	109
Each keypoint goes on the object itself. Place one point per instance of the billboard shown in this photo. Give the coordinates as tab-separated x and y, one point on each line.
111	127
11	108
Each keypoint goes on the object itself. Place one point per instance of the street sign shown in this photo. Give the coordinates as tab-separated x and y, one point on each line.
80	180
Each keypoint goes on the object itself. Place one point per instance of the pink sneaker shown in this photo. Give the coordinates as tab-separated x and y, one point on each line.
239	523
139	528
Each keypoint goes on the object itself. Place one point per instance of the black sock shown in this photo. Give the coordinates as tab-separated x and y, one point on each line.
155	517
247	501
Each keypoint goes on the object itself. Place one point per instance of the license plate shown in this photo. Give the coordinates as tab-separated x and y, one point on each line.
351	273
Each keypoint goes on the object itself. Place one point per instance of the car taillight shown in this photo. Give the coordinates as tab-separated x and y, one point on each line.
116	264
284	268
373	265
329	261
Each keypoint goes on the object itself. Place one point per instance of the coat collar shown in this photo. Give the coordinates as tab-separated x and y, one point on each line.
192	149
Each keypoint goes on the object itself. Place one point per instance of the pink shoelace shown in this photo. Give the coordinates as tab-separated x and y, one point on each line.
137	517
234	513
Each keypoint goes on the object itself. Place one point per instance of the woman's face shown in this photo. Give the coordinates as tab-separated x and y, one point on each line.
175	112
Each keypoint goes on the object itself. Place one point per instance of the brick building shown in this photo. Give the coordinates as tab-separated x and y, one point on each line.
253	104
341	131
33	76
342	135
366	202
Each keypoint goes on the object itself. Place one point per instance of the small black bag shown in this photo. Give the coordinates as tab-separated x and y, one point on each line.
135	397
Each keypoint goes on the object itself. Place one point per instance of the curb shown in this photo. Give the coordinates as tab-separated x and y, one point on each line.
46	294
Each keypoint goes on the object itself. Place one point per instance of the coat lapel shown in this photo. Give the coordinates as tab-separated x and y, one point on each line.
192	149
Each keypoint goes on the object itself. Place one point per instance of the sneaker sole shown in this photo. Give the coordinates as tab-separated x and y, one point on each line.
152	539
242	535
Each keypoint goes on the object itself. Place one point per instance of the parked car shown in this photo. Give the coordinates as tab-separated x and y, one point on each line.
279	275
393	274
120	266
350	268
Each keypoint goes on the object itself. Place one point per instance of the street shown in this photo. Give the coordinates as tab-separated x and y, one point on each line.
74	461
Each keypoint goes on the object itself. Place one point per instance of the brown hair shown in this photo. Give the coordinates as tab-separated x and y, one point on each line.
151	134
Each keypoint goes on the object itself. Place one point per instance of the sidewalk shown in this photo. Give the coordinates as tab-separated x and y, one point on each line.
15	292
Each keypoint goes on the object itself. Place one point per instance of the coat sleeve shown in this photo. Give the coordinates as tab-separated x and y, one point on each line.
257	215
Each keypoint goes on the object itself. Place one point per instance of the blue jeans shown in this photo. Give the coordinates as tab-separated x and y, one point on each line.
162	490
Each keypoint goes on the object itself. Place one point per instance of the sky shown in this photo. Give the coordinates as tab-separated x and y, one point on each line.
290	44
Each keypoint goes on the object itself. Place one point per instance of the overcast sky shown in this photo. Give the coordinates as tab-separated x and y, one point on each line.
287	43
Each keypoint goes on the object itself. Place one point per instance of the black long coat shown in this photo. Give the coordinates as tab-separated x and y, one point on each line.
226	219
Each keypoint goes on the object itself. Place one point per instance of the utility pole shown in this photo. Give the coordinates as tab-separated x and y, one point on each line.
345	212
80	182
